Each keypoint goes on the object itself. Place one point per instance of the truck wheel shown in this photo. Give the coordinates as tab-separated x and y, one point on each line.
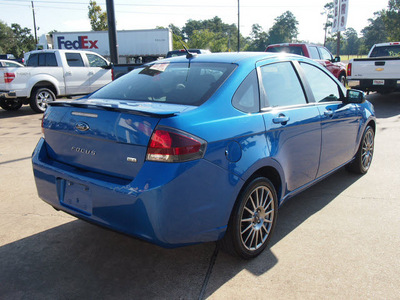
39	99
342	79
11	104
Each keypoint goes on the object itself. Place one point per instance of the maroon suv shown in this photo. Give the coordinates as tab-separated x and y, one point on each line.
316	52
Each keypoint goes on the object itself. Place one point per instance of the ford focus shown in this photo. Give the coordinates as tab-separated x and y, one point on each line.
202	148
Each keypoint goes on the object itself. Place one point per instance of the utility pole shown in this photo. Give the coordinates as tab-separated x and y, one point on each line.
112	31
238	27
34	23
338	44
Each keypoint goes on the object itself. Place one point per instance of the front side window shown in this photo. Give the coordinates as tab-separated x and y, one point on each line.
314	52
323	87
74	59
281	85
179	83
325	54
96	61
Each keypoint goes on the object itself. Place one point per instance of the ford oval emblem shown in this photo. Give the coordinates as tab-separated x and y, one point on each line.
82	126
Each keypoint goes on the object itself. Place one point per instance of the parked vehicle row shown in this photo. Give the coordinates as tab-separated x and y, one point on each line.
52	73
202	148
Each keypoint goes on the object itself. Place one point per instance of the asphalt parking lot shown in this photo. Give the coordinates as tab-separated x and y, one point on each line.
338	240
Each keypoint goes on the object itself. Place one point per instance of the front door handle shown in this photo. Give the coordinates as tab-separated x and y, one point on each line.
68	73
281	119
328	113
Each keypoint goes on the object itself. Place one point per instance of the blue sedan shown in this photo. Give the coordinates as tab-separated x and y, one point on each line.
202	148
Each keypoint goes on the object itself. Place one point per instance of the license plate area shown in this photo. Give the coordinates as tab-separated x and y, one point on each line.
77	197
378	82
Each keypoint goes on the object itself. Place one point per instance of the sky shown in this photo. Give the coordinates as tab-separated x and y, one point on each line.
71	15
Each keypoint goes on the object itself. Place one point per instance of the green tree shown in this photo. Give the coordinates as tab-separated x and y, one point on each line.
328	11
15	39
391	19
351	42
258	38
98	18
375	32
284	29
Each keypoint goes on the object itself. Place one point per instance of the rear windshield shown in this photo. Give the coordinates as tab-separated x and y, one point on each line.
393	50
179	83
287	49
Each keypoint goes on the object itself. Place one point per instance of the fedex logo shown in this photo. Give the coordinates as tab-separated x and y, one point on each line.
81	43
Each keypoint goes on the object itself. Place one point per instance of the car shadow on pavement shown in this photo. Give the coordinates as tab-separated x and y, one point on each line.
80	260
23	111
387	105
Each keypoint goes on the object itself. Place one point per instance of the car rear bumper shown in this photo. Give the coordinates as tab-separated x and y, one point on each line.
166	204
8	94
375	84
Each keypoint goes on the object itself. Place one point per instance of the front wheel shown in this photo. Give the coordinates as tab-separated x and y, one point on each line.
363	159
39	99
11	104
342	79
253	219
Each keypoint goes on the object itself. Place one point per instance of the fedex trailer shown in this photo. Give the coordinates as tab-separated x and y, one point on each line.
133	45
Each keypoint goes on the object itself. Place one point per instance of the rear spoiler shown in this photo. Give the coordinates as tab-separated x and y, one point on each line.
130	109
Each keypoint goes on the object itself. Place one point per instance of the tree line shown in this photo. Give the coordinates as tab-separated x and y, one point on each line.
217	36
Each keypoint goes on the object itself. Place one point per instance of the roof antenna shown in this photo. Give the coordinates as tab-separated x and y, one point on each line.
188	53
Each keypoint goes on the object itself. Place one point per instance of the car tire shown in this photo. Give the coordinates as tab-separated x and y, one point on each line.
364	155
343	80
39	99
11	104
253	220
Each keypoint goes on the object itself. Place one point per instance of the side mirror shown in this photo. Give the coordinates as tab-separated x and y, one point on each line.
336	59
108	67
355	96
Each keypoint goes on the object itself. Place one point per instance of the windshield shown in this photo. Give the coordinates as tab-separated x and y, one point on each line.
179	83
392	50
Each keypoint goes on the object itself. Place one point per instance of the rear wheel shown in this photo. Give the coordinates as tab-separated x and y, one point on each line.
253	220
363	158
11	104
39	99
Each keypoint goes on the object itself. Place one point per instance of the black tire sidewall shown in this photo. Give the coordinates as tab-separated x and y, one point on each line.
4	104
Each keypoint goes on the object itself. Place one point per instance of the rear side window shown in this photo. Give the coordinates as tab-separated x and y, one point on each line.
247	98
323	87
179	83
74	59
281	85
42	60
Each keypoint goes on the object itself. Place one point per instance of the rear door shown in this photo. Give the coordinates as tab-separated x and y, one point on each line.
98	76
340	122
293	127
76	74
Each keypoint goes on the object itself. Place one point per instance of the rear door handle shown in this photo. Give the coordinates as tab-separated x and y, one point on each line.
91	73
281	119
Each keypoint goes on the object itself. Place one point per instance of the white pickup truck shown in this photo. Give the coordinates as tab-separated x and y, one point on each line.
52	73
379	72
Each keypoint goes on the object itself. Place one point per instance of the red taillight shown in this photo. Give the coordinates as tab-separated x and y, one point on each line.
349	69
112	74
8	77
170	145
